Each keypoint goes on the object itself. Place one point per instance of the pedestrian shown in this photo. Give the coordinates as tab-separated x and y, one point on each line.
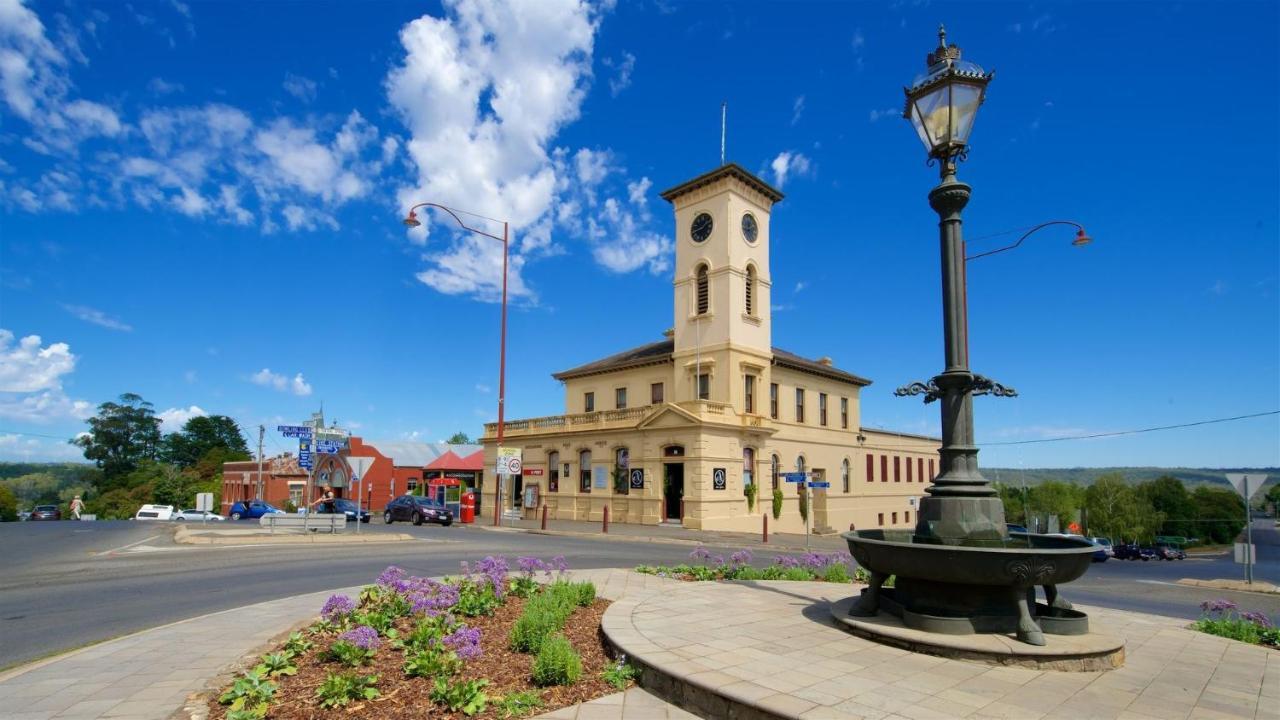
325	501
77	506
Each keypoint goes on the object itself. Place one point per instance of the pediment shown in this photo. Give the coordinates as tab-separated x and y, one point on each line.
670	416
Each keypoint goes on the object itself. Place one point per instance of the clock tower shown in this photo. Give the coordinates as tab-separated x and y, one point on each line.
723	347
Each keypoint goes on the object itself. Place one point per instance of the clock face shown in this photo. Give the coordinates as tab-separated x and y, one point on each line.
749	228
700	230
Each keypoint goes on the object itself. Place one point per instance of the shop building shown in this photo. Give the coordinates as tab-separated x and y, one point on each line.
676	430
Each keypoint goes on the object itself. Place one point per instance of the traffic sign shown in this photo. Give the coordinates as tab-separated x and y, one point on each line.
817	484
304	459
298	431
796	477
1241	481
328	447
509	461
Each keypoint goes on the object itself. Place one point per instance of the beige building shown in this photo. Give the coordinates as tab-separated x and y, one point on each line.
674	430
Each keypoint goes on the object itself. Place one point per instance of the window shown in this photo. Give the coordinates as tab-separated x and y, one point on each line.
800	469
906	516
413	485
773	400
920	468
553	471
880	519
844	413
931	474
773	471
584	471
799	405
620	398
704	387
844	475
897	469
908	469
871	468
748	466
589	402
822	409
884	468
749	393
655	394
751	290
704	296
895	518
622	463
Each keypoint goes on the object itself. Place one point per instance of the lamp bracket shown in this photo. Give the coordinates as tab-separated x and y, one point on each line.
930	390
979	385
982	385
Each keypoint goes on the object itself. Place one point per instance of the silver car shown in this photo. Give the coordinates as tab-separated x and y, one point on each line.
196	515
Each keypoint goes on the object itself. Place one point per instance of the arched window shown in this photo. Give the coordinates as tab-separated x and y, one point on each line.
773	471
844	474
800	468
622	462
704	296
584	471
553	471
751	290
748	466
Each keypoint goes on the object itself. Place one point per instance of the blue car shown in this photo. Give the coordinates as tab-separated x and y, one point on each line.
1099	552
252	509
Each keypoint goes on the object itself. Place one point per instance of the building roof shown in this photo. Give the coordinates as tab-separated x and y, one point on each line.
730	170
404	453
661	351
452	461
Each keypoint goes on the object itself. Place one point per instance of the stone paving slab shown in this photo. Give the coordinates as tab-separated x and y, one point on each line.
773	647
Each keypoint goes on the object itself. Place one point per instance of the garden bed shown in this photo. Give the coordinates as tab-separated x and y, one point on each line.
468	655
810	567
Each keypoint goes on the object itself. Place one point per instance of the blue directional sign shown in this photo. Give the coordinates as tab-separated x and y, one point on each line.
796	477
298	431
304	459
817	484
328	447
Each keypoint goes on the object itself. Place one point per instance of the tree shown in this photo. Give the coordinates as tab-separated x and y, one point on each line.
1219	513
1273	498
1053	497
120	436
201	434
1014	507
1168	495
459	438
8	505
33	488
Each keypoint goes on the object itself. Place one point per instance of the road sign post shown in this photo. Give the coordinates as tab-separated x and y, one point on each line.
509	462
1241	482
359	466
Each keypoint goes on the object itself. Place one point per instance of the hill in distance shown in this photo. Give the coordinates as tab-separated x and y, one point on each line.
1133	475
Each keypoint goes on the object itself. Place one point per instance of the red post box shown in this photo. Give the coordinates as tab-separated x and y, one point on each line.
467	510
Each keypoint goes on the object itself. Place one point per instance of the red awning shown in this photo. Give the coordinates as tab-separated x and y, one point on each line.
450	461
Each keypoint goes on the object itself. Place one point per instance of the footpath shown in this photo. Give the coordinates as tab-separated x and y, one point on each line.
673	534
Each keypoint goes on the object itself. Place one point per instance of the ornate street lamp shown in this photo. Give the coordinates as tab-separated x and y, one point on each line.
943	102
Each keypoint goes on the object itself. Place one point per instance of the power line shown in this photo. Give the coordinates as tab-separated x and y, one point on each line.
51	437
1132	432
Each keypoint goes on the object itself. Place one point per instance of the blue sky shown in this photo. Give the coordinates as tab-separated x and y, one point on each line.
200	203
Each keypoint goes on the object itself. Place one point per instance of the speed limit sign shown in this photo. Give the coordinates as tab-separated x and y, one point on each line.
509	461
513	466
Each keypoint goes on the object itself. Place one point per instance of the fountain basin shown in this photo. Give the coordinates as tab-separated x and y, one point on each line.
973	587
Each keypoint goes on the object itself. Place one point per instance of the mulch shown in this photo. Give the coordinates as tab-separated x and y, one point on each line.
405	697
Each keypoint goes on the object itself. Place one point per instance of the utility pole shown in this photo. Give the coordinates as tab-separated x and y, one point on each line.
261	431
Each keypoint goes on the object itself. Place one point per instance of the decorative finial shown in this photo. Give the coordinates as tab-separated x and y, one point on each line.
943	51
942	35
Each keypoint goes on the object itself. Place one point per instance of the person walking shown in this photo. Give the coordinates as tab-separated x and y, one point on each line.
77	506
326	501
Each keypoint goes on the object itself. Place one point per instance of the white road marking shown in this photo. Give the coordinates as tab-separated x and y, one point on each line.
1157	582
126	547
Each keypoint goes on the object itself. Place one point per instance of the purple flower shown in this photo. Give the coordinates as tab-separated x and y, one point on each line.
494	569
432	598
363	637
465	642
1217	605
787	562
392	577
700	553
742	557
337	606
1256	618
559	565
531	565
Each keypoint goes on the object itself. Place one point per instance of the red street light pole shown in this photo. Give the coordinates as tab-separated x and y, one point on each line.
412	221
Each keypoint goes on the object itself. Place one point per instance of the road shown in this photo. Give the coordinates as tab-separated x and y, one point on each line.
68	584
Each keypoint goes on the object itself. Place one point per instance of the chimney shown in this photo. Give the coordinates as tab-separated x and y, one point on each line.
825	360
669	333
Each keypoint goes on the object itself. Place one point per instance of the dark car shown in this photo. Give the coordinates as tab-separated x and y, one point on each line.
1165	551
417	510
46	512
1133	552
252	509
349	508
1014	528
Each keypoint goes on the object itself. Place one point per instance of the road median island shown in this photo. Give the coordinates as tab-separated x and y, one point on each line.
1237	585
245	536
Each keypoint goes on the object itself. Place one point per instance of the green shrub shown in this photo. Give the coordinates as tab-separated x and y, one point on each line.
796	574
557	663
747	572
518	704
750	490
777	503
297	644
836	573
803	498
280	663
547	612
428	632
338	690
584	593
433	662
251	690
475	599
620	674
465	695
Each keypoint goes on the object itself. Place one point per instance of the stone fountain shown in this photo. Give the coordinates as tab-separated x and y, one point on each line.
960	571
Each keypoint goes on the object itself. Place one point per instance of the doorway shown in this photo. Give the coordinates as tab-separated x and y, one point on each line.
517	491
673	490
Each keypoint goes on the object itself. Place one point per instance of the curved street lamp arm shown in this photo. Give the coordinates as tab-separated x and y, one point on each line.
1081	238
453	214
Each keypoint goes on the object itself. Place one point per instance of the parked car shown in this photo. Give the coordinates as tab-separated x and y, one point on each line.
1106	545
197	515
348	507
24	514
416	509
154	512
1100	553
46	512
1166	551
1134	552
1014	528
252	510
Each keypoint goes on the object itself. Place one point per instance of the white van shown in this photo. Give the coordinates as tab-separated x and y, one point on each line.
154	512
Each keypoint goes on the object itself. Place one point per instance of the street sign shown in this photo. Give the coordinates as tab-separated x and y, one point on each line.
304	459
719	479
359	466
328	447
204	501
817	484
797	477
298	431
509	461
1241	481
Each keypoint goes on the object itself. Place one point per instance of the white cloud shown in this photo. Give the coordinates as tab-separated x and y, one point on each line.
484	91
29	367
300	87
26	448
173	419
623	68
191	376
481	387
801	285
97	317
43	407
298	386
788	164
638	191
160	86
797	110
879	114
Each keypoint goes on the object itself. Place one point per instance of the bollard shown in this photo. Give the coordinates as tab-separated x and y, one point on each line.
766	527
544	517
606	519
